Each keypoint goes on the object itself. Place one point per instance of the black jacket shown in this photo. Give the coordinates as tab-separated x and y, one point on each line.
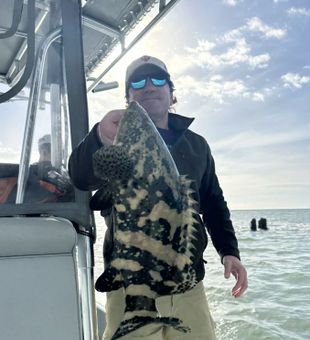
193	158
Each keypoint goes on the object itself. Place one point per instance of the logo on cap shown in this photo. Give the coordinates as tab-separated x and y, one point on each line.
145	58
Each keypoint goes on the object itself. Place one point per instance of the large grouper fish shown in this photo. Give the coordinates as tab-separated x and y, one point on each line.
154	217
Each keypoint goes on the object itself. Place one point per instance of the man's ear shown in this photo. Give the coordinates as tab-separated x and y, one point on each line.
173	99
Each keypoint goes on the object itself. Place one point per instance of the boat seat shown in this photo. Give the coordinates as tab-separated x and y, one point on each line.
38	285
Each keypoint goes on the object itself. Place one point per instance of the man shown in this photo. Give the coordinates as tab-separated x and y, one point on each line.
46	183
44	146
148	82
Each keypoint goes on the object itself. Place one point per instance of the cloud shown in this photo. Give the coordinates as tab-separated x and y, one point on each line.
231	2
277	1
255	24
259	61
294	80
239	53
9	155
102	102
258	97
298	11
216	89
233	48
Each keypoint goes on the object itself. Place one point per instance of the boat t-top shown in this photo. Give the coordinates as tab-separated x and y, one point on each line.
49	50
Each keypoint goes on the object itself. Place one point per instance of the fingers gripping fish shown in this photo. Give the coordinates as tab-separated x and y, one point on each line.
154	218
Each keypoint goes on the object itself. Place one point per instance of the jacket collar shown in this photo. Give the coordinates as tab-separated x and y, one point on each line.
179	123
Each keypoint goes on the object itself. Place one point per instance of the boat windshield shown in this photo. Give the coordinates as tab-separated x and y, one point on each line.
34	130
44	61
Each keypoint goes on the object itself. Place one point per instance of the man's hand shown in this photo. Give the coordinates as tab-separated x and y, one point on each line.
232	265
107	128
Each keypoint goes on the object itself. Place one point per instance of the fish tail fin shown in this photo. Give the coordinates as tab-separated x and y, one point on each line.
137	322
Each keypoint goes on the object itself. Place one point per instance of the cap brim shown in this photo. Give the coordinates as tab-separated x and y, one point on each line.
147	69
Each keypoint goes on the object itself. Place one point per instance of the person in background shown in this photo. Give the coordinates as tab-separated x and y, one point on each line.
149	83
44	145
44	163
47	183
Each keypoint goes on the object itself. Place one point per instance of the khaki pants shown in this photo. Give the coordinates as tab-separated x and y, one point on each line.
191	307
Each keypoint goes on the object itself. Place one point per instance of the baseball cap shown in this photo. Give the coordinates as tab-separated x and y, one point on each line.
46	139
146	63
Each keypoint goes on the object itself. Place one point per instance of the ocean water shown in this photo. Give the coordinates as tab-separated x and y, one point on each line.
277	303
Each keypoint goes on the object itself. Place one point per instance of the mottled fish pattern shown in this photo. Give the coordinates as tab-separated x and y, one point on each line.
154	218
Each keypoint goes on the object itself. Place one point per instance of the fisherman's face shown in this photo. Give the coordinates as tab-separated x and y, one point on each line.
156	100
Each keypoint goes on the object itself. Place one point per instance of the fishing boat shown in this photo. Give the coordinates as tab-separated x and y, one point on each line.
49	50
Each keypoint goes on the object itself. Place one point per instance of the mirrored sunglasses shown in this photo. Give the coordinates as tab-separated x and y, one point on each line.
140	84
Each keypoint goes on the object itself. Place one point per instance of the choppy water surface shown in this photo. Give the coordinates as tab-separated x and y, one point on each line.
277	303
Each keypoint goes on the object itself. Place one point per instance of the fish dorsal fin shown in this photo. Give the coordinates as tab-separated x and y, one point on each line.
189	223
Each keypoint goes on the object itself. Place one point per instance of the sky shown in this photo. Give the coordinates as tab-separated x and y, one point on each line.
242	69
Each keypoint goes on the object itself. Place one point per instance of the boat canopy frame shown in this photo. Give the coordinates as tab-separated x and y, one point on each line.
89	35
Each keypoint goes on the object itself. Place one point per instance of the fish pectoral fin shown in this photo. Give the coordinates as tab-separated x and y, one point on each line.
112	162
130	325
109	280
